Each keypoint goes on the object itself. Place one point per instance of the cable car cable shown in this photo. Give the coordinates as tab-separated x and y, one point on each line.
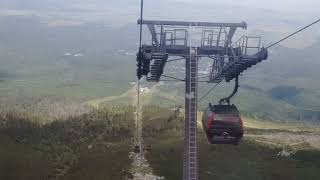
140	48
292	34
174	78
234	92
178	59
205	88
207	93
138	137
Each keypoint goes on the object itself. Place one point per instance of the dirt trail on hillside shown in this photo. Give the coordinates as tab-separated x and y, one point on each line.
281	135
293	140
141	169
295	136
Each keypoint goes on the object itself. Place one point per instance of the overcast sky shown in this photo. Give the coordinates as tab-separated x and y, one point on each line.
279	5
269	18
272	19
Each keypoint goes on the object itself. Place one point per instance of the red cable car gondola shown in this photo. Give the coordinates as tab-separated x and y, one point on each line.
222	123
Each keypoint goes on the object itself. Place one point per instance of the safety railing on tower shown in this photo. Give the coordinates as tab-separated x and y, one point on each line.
214	37
248	45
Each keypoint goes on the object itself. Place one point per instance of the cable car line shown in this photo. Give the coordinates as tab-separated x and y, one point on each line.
140	53
204	88
292	34
234	92
137	135
174	78
170	80
207	93
180	80
178	59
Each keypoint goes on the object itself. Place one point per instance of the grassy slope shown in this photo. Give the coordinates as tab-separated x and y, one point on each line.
24	162
79	148
21	162
250	160
100	163
247	161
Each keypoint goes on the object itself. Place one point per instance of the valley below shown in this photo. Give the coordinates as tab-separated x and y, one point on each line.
99	144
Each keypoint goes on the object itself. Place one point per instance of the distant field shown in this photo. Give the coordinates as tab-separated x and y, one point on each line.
77	63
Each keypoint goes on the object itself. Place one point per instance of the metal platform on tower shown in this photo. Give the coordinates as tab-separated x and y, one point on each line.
171	38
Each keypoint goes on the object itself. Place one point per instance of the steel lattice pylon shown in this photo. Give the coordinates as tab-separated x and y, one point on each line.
190	164
172	39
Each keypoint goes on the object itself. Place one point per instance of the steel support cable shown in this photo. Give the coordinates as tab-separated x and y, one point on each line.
180	80
138	111
174	78
140	48
234	92
292	34
205	88
171	80
208	92
178	59
202	77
